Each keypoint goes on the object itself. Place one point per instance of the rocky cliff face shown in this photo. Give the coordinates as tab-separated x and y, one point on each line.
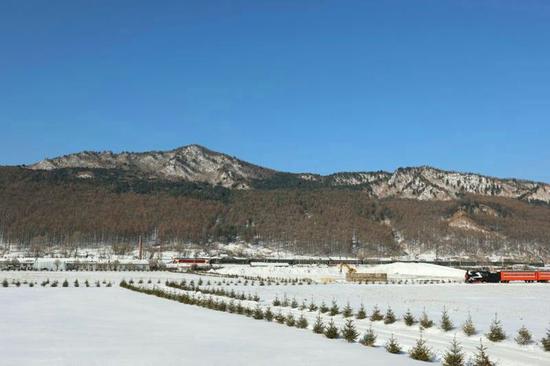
189	163
195	163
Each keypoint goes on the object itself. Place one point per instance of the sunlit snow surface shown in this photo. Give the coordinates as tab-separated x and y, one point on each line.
112	326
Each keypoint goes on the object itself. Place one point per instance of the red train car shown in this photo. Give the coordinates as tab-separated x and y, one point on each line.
543	276
526	276
191	260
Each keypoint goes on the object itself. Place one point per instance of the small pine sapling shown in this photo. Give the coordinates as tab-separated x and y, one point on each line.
318	326
369	338
334	310
280	318
545	342
312	306
392	346
496	333
408	318
454	355
331	331
361	313
323	308
231	308
290	321
65	283
481	358
349	332
347	311
294	303
446	324
276	301
376	314
524	337
258	313
268	314
425	322
389	318
468	327
76	284
421	351
302	322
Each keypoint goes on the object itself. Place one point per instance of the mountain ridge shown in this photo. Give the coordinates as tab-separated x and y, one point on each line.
196	163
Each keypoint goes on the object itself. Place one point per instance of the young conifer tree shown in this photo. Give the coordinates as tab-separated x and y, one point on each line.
361	313
524	337
454	355
331	331
312	306
334	310
421	351
446	324
389	318
318	327
496	333
258	313
369	338
425	322
481	358
290	321
392	346
376	314
408	318
268	314
347	311
302	322
545	342
280	318
349	332
468	327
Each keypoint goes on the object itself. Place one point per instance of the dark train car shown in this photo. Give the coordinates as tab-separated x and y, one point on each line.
477	276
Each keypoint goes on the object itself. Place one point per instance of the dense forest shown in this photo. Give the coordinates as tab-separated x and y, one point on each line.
60	207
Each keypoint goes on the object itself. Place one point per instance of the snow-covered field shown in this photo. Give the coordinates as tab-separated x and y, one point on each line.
395	271
83	320
113	326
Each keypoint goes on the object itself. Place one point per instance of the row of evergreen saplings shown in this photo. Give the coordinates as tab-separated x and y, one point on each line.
183	285
454	356
55	283
266	280
495	334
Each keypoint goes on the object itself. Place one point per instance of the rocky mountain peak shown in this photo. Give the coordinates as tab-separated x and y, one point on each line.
196	163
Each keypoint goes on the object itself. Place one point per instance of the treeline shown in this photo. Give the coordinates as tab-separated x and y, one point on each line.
38	208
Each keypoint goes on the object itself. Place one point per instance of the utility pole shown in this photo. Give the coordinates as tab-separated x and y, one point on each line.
140	248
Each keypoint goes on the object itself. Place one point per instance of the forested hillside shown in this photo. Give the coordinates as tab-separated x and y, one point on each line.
76	206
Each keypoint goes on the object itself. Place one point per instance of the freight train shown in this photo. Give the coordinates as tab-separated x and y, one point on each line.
474	276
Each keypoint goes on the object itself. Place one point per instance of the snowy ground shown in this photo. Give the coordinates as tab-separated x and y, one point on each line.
113	326
142	324
395	271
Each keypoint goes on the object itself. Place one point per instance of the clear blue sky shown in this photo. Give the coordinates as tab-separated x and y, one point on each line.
318	86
